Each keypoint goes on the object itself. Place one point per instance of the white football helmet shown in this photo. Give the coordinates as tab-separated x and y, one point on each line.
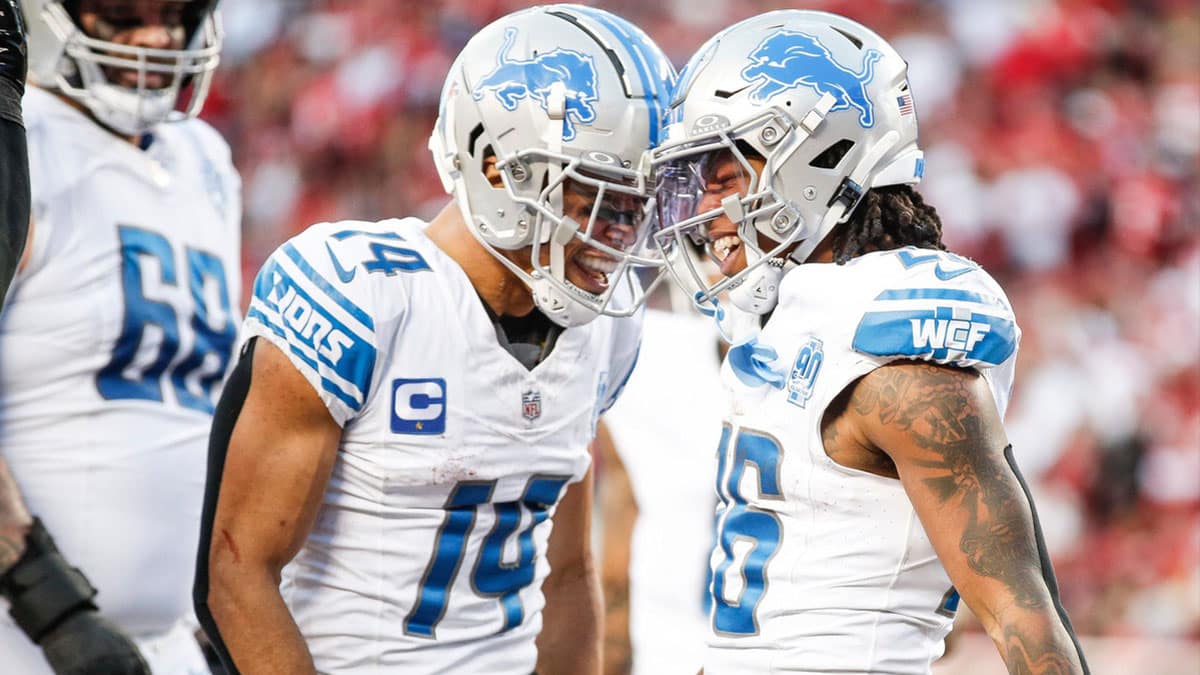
821	103
565	98
64	58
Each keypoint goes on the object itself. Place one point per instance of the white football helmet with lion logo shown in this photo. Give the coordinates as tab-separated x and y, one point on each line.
556	95
824	103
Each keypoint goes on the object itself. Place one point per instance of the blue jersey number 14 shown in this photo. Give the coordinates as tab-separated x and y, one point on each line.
492	576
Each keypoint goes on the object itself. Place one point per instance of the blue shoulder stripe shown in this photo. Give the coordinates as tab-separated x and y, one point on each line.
938	294
329	385
943	334
303	321
320	281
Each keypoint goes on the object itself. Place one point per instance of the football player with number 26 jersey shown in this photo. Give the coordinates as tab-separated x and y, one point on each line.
865	479
414	406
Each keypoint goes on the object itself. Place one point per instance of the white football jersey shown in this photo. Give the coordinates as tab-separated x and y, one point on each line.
113	345
820	568
428	553
665	428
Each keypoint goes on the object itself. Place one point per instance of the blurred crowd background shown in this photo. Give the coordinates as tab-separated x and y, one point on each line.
1062	141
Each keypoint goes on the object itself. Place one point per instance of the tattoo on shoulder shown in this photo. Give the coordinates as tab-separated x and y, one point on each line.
935	407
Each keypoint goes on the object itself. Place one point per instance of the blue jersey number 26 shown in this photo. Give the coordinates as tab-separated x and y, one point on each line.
492	576
130	374
747	537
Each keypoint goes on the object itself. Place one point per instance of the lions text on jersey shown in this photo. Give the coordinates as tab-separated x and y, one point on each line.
818	567
114	342
428	552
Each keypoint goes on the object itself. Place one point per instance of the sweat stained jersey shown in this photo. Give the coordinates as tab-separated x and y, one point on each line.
114	342
428	553
819	568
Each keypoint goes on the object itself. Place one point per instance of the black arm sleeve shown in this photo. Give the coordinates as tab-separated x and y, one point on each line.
14	183
229	407
1044	558
14	156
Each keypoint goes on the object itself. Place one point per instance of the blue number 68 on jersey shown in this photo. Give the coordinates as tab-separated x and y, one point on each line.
747	537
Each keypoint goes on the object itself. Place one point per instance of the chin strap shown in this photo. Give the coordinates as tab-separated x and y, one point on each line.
759	293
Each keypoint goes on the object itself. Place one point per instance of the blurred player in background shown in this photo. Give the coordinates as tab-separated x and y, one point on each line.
417	400
658	531
117	333
865	477
14	157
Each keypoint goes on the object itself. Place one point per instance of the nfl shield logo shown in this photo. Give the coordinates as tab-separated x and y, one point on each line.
531	405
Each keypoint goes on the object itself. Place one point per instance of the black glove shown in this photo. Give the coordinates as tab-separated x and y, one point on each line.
12	43
86	643
52	603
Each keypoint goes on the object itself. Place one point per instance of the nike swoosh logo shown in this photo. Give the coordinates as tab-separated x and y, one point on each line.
947	276
345	275
909	260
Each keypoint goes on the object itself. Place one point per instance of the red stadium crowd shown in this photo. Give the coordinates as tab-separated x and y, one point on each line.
1063	148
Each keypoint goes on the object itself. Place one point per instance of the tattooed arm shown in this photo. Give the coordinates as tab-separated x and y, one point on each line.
940	427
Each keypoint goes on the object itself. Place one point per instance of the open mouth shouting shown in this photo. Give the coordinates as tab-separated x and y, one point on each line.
728	251
590	270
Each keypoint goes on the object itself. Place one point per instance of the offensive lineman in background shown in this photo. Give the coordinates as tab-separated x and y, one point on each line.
415	402
117	334
864	471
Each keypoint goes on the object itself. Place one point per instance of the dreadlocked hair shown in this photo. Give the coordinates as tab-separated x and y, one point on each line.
888	217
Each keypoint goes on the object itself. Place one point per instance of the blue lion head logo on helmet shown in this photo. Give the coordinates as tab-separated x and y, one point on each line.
789	59
515	79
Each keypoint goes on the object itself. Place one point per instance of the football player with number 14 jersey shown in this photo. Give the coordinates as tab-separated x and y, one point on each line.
865	479
415	404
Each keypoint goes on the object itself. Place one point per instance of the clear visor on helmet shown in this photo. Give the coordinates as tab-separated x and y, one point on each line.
710	193
593	215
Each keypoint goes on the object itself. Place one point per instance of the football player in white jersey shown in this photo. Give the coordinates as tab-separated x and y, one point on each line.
658	554
117	332
416	401
865	478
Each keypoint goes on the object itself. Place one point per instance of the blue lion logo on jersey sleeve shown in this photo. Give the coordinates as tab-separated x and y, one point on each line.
515	79
788	59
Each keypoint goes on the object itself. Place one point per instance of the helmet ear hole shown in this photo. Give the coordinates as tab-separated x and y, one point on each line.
833	155
72	7
857	42
490	169
474	138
